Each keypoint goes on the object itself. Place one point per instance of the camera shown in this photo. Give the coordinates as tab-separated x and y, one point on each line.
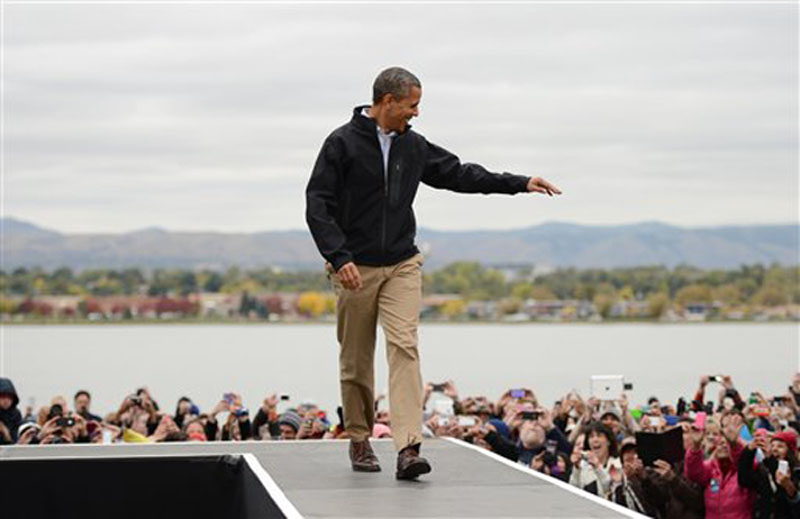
550	453
55	410
518	393
65	421
530	415
467	421
439	388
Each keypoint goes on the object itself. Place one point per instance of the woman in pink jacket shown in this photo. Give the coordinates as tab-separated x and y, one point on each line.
724	498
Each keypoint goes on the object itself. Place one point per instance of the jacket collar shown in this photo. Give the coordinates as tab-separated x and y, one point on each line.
368	124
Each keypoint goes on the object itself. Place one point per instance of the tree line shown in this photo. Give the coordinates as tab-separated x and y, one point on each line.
756	284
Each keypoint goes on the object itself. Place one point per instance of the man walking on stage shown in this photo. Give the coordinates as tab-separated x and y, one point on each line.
359	210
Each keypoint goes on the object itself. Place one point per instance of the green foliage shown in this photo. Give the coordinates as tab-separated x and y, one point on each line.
469	279
658	303
658	286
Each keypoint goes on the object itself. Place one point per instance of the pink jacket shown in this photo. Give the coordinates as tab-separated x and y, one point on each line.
724	498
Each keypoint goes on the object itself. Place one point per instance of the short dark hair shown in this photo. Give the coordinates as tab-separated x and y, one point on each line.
601	428
82	392
396	81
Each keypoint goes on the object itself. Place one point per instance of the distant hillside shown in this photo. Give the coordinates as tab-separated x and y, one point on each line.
554	244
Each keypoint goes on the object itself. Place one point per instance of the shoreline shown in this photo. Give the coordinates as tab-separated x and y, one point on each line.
205	322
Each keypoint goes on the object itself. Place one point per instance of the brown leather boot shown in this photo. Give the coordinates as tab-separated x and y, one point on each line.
410	464
362	457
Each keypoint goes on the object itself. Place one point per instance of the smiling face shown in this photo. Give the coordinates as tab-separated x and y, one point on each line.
598	443
722	449
779	449
399	111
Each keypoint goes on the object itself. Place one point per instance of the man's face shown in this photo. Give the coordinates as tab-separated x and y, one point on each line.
400	111
6	401
531	434
288	432
82	403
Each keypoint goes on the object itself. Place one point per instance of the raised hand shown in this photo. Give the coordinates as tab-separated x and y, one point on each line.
697	437
538	461
664	469
545	419
450	389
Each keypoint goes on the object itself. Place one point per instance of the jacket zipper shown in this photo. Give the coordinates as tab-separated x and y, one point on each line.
386	190
385	199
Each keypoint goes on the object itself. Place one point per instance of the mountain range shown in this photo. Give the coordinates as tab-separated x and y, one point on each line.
552	244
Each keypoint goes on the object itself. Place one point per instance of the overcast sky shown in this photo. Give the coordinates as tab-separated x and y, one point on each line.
209	117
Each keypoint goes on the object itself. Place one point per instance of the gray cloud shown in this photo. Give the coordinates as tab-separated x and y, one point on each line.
210	116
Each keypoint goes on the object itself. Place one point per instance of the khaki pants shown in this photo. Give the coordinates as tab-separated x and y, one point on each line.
393	295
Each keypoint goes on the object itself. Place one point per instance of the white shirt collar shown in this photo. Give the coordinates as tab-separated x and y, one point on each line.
365	113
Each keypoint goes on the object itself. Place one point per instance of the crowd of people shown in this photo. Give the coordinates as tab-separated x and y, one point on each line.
739	457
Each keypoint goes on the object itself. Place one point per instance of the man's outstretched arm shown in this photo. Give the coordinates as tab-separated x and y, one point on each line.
444	170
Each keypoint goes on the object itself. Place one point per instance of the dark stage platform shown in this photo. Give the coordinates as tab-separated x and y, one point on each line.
282	479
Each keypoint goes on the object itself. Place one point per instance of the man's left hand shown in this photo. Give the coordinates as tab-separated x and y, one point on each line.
540	185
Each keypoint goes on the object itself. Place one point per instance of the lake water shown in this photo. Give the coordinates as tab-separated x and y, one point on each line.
203	361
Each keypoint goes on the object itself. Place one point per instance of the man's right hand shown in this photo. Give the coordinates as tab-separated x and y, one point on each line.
349	276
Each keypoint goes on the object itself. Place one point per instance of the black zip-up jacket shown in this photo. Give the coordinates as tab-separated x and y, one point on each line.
354	215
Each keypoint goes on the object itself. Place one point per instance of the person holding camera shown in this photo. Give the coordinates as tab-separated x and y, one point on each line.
538	435
82	401
723	496
637	491
595	463
359	208
237	426
771	469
